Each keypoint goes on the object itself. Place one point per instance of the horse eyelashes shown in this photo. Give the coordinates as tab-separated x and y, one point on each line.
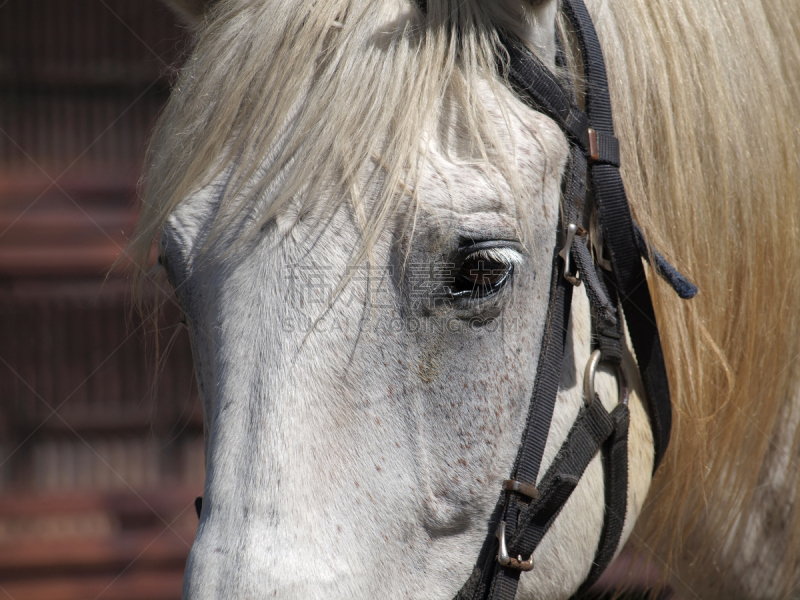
484	272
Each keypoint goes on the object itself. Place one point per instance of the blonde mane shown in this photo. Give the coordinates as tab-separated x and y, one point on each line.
353	94
704	107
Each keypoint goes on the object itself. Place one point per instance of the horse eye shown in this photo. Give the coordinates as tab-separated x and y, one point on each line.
482	274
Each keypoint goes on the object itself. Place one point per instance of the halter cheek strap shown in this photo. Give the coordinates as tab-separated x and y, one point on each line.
525	512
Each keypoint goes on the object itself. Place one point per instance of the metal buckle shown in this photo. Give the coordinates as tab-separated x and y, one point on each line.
502	554
596	239
526	489
594	149
588	380
575	280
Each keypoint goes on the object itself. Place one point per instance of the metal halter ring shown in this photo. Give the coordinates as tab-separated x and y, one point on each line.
588	379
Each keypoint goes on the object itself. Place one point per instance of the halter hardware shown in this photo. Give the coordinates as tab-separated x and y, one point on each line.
503	557
566	251
588	379
526	489
594	151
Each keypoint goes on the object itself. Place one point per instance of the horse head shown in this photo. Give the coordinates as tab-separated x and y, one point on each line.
359	220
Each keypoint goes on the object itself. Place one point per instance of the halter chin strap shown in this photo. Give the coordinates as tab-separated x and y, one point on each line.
525	512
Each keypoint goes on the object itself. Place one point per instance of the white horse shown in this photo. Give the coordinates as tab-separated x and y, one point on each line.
318	173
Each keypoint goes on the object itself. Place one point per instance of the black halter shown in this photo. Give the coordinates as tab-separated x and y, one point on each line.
525	511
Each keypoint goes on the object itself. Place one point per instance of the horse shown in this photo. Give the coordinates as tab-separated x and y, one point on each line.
322	167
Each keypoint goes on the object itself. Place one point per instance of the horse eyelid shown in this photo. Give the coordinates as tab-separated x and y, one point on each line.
502	254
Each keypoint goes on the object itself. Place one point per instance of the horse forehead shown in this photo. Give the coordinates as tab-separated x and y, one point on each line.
454	180
467	189
480	187
462	189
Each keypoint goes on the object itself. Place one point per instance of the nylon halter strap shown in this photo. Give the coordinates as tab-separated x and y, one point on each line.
525	511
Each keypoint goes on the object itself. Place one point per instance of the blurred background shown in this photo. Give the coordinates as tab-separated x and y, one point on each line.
99	468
